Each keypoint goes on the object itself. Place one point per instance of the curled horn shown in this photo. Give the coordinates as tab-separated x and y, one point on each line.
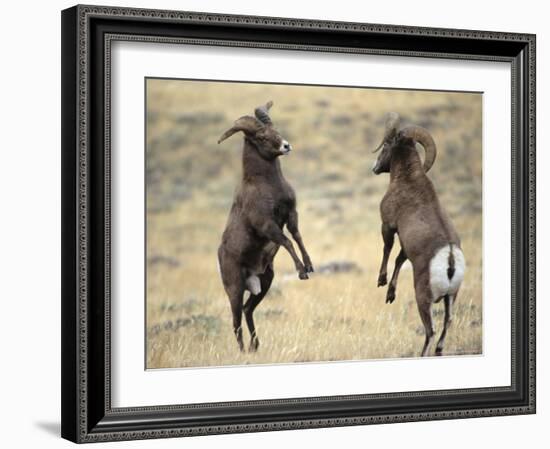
262	113
246	124
423	137
392	124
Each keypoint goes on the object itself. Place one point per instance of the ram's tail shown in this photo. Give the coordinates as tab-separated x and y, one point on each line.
451	263
447	269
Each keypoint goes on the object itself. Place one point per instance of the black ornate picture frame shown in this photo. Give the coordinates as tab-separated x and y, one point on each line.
87	34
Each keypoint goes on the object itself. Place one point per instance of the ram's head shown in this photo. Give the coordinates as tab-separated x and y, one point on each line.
406	139
259	130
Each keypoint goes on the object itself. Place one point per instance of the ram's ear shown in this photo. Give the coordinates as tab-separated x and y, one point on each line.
247	124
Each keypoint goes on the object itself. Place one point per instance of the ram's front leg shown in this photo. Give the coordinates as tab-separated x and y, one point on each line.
399	261
292	227
387	235
273	232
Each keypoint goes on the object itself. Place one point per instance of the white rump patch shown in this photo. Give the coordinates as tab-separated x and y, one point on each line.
253	284
440	283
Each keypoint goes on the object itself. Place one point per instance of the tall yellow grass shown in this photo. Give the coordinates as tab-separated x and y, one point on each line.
190	184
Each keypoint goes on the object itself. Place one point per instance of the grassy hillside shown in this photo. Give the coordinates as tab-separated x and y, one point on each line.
332	316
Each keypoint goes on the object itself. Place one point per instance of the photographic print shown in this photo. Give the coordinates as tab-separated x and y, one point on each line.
300	223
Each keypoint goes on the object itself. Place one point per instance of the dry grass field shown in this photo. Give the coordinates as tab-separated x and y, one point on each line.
331	316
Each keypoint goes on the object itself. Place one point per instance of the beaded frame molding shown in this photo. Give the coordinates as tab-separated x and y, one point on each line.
87	34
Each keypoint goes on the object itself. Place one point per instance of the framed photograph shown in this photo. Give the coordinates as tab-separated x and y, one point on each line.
276	224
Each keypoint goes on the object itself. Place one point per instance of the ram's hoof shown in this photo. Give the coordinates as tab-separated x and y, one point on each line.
303	275
390	296
382	280
254	344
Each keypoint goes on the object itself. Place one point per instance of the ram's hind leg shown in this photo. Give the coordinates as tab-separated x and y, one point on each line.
424	302
233	283
449	301
252	303
425	309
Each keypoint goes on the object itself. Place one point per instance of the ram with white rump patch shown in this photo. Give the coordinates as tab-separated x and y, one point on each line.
263	205
428	239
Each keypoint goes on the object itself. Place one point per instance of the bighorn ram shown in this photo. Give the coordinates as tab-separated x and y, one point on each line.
264	203
411	209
